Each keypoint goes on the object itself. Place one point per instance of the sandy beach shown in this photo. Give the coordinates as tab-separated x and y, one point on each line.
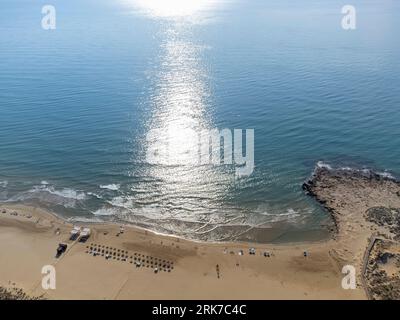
29	240
190	270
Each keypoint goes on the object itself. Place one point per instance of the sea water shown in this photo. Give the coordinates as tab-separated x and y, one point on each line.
77	104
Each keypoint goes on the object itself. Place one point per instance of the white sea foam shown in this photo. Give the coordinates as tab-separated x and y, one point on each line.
113	187
65	197
386	174
4	184
94	195
150	211
288	216
321	164
346	169
84	219
64	193
105	212
121	202
68	193
291	212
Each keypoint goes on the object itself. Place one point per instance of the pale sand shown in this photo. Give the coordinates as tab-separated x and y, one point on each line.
27	244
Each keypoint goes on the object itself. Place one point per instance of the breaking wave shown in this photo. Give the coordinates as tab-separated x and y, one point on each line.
64	193
3	184
105	212
113	187
321	164
364	170
46	193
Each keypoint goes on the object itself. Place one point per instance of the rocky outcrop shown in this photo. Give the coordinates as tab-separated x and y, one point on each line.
383	271
363	205
385	217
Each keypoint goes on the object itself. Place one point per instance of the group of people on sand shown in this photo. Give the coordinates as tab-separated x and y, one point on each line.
252	251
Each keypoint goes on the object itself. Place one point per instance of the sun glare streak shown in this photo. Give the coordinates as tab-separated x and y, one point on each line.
172	8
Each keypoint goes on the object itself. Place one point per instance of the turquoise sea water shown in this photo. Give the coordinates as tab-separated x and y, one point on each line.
77	104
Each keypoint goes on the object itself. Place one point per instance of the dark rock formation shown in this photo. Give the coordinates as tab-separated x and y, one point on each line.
16	294
363	205
382	284
385	217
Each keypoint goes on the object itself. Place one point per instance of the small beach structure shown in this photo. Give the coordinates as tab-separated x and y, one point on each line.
85	235
75	232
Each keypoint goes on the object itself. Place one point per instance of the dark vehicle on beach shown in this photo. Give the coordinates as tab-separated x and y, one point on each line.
61	249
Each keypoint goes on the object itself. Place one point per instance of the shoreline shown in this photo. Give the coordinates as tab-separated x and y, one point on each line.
163	235
204	270
286	273
281	232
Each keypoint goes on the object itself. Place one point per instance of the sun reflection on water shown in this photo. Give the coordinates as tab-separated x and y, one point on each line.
181	103
175	194
172	8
